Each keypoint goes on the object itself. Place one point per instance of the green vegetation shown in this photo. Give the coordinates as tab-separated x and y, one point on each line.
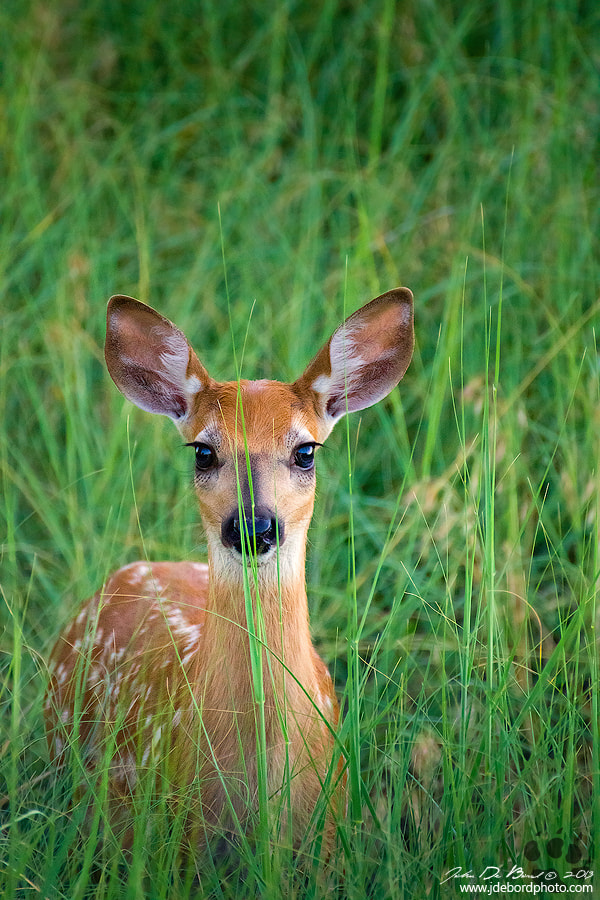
259	169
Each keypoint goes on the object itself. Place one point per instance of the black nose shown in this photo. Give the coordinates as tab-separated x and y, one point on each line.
260	533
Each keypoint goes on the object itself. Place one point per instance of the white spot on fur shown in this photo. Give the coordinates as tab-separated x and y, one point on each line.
127	771
95	676
116	657
62	673
137	573
181	628
188	657
193	384
321	384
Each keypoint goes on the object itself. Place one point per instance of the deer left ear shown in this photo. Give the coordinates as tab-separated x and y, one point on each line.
150	360
364	359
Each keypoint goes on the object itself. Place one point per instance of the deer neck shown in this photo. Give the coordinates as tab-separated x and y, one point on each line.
256	631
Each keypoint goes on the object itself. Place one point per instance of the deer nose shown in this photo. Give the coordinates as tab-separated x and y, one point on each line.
259	532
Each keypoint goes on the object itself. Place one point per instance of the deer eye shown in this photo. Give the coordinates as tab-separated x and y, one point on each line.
206	457
304	456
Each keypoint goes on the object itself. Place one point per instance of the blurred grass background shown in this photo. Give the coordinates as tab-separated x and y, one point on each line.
284	164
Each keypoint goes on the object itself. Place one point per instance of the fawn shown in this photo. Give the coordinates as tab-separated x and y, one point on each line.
209	669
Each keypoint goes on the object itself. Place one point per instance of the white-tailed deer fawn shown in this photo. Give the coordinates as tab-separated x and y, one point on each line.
208	671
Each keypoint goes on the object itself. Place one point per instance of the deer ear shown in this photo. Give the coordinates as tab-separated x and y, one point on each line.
364	359
150	360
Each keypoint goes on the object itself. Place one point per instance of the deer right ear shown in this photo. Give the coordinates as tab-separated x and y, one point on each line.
364	359
150	360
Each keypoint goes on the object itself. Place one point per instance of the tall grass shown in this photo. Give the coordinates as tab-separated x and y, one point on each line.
247	169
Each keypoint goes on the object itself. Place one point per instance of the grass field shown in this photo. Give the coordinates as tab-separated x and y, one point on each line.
256	171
